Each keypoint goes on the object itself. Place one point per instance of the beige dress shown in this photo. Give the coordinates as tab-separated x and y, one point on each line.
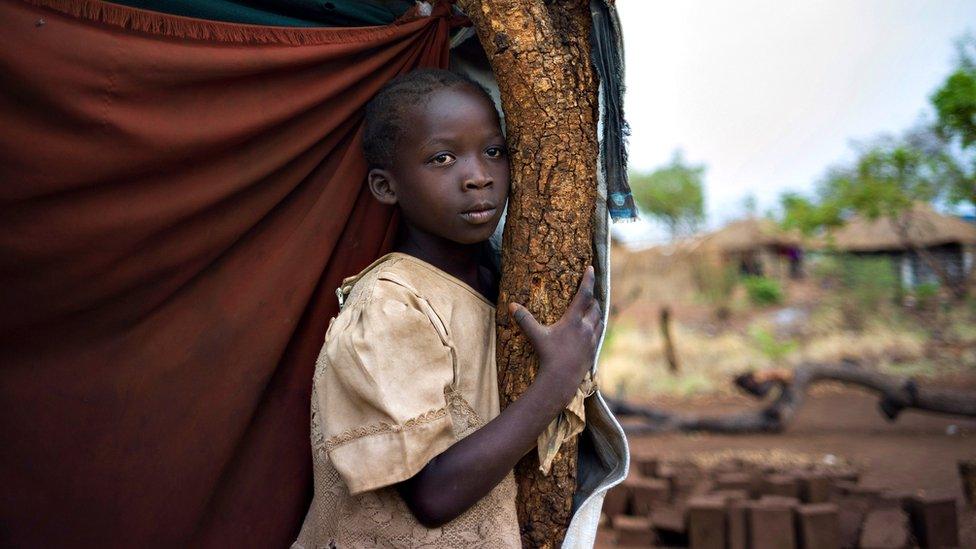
407	370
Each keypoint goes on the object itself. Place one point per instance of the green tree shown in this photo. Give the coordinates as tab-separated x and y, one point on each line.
807	214
932	162
672	194
955	100
955	106
887	178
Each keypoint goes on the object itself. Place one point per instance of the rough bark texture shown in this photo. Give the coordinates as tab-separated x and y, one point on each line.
540	54
897	394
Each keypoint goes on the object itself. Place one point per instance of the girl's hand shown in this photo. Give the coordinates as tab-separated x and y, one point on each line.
567	348
445	487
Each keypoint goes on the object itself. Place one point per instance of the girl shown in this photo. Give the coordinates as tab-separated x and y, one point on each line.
408	443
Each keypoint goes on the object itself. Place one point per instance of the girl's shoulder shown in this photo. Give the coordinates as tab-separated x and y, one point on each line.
382	305
401	289
392	276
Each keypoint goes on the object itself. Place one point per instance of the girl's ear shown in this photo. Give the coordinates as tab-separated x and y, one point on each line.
381	185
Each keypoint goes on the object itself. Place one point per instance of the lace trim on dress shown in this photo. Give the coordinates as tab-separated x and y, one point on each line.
466	420
350	435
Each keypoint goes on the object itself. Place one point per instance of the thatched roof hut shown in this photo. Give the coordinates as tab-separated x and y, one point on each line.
749	234
756	246
927	229
949	242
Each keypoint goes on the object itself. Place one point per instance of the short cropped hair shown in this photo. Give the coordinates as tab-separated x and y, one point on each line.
385	119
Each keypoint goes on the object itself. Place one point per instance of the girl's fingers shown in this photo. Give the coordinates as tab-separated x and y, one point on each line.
529	325
584	294
594	314
589	280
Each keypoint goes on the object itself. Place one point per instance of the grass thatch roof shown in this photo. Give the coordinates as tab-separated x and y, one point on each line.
927	228
750	234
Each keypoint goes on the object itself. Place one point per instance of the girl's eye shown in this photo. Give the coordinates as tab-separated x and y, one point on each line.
495	152
442	159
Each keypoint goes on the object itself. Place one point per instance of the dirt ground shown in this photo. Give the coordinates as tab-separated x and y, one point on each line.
919	452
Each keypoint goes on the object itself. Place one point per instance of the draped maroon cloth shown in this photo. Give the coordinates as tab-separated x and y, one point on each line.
178	201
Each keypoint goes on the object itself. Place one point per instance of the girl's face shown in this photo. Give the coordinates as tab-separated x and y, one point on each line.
450	172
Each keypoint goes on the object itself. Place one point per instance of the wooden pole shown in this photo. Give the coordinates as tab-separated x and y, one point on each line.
669	352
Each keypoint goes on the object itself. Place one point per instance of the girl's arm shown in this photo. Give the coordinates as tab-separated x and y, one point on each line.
464	473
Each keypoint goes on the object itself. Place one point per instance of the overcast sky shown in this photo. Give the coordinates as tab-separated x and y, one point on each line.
768	93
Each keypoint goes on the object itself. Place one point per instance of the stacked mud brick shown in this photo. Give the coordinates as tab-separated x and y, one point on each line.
744	506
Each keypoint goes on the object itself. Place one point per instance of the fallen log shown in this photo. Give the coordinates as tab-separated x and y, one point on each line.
897	394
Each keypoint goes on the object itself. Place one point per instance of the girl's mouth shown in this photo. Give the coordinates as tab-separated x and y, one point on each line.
479	215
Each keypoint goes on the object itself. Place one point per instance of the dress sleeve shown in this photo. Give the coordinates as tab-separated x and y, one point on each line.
387	366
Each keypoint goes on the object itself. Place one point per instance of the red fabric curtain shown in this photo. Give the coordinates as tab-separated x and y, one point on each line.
178	201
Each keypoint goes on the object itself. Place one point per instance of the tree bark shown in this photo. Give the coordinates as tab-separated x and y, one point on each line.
540	54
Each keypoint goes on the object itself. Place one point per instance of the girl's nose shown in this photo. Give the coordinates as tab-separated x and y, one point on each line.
478	178
476	183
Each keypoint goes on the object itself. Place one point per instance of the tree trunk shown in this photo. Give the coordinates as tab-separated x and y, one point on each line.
540	54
